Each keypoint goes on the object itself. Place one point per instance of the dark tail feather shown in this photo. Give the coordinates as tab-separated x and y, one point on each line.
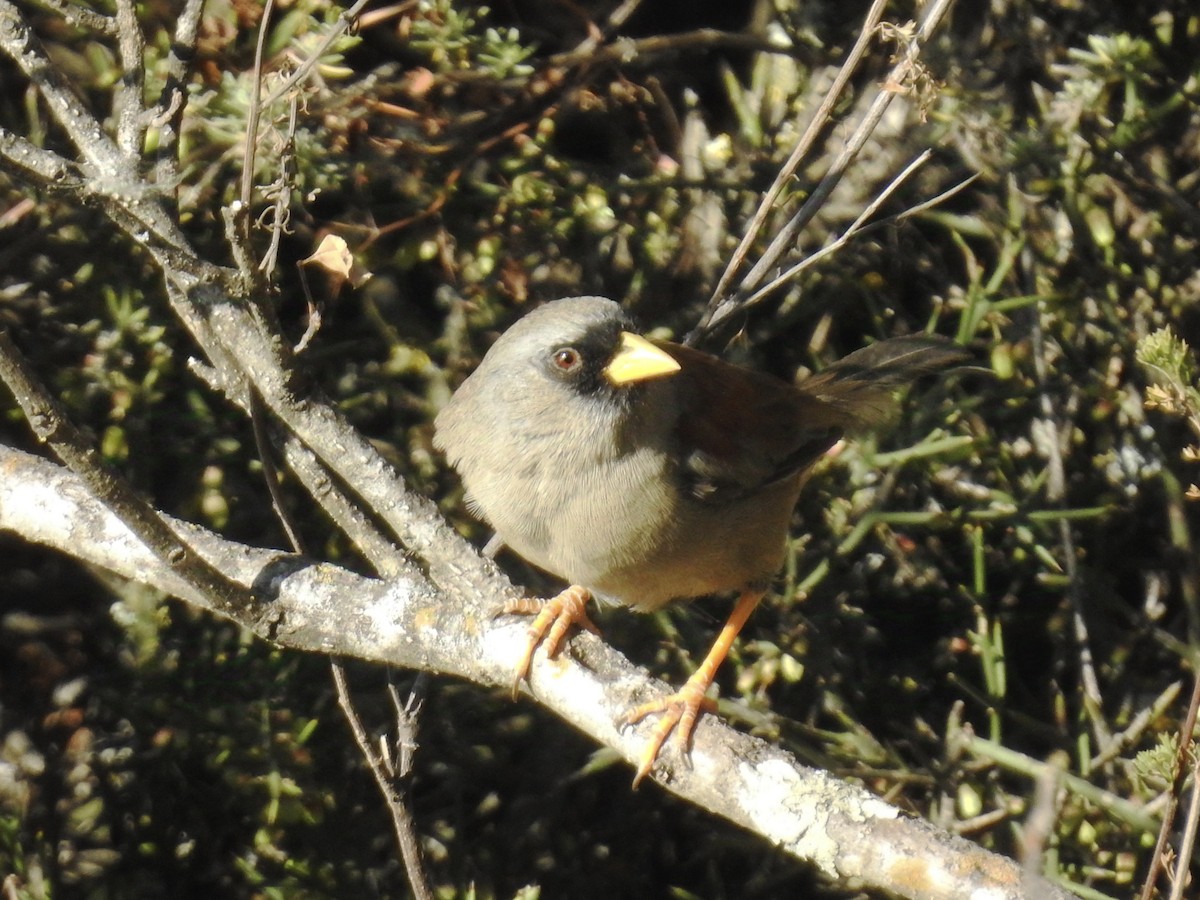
862	385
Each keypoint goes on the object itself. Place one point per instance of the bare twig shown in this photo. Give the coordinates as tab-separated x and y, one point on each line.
899	75
721	309
1051	430
854	230
390	785
616	19
277	216
1187	844
1179	769
803	146
344	23
242	217
408	715
167	116
1137	726
865	229
631	52
129	98
270	473
1043	812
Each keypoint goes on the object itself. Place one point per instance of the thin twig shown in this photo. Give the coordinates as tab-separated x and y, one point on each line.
864	230
253	115
408	717
899	75
629	52
1043	812
270	473
74	14
1051	429
129	100
722	309
1179	770
167	116
278	214
1187	843
818	122
1137	727
616	19
854	230
344	23
406	834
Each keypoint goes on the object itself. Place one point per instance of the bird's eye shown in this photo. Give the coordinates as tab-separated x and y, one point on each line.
566	359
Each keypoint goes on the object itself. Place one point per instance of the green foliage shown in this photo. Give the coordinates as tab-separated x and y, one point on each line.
454	38
1155	767
1174	392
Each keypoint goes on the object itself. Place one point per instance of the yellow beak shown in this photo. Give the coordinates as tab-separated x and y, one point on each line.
637	359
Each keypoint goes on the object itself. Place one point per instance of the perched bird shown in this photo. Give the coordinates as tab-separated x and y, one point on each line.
643	472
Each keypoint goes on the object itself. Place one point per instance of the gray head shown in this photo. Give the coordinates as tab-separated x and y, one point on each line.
590	325
552	371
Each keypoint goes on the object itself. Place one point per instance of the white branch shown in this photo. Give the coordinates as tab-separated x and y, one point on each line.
845	831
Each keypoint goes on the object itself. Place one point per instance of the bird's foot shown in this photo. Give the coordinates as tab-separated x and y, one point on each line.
680	712
552	618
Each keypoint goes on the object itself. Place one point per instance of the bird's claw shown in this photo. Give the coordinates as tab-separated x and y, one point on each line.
680	712
552	619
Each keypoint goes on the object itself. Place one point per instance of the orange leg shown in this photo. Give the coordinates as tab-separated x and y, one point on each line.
682	709
552	618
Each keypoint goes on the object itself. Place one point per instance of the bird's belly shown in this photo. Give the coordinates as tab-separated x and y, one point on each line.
695	551
641	548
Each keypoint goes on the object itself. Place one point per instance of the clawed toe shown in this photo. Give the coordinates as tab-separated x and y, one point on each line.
680	712
552	619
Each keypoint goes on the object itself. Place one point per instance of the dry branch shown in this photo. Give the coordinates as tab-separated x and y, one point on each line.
844	830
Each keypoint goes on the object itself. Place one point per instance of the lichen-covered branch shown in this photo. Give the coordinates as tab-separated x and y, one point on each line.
844	830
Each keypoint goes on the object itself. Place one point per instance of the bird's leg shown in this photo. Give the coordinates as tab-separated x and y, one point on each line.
681	709
552	618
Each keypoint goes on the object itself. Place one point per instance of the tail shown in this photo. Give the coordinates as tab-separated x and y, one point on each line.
862	386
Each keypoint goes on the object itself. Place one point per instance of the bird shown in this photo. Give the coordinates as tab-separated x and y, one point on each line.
643	472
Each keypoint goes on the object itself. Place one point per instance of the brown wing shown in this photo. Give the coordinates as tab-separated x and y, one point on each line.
742	430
